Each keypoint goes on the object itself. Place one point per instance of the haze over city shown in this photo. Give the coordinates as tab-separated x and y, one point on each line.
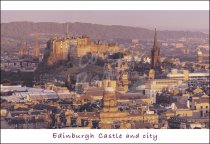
163	20
78	71
58	71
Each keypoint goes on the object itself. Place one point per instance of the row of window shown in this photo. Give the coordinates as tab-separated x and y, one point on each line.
200	107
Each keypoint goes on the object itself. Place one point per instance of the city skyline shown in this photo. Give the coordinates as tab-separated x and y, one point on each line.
162	20
105	71
86	76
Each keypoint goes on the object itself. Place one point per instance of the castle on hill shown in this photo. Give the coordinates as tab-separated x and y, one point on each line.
65	47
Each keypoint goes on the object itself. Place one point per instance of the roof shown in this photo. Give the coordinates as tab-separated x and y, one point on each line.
19	88
65	95
88	114
142	125
16	113
94	92
43	106
181	105
12	99
10	88
178	119
198	74
131	96
198	94
190	75
20	93
182	99
197	90
203	100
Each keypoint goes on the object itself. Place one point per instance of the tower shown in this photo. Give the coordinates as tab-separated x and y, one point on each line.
24	51
155	53
109	99
151	73
155	58
67	31
199	56
36	51
122	76
186	74
110	112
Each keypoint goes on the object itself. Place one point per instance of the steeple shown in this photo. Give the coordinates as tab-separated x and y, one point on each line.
67	30
155	41
155	53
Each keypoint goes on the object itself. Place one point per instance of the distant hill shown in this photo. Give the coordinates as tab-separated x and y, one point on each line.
18	30
14	32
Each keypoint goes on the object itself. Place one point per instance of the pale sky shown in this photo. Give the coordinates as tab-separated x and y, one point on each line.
163	20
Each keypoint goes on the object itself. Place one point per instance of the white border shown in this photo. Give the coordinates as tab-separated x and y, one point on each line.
104	5
163	135
45	136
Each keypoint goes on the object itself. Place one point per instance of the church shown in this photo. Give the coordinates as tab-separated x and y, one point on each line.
155	58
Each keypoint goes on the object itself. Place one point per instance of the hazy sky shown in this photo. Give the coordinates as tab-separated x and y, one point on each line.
164	20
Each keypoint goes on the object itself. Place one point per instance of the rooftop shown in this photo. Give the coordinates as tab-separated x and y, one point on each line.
190	74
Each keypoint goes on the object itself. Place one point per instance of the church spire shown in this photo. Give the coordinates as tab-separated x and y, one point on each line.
155	40
67	30
155	53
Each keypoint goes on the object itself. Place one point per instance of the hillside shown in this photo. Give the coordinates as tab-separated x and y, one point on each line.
18	30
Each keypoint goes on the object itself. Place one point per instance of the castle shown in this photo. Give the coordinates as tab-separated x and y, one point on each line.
63	48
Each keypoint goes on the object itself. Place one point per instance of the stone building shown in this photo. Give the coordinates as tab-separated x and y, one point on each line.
119	72
24	51
62	48
59	49
122	77
199	56
185	75
155	86
111	117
